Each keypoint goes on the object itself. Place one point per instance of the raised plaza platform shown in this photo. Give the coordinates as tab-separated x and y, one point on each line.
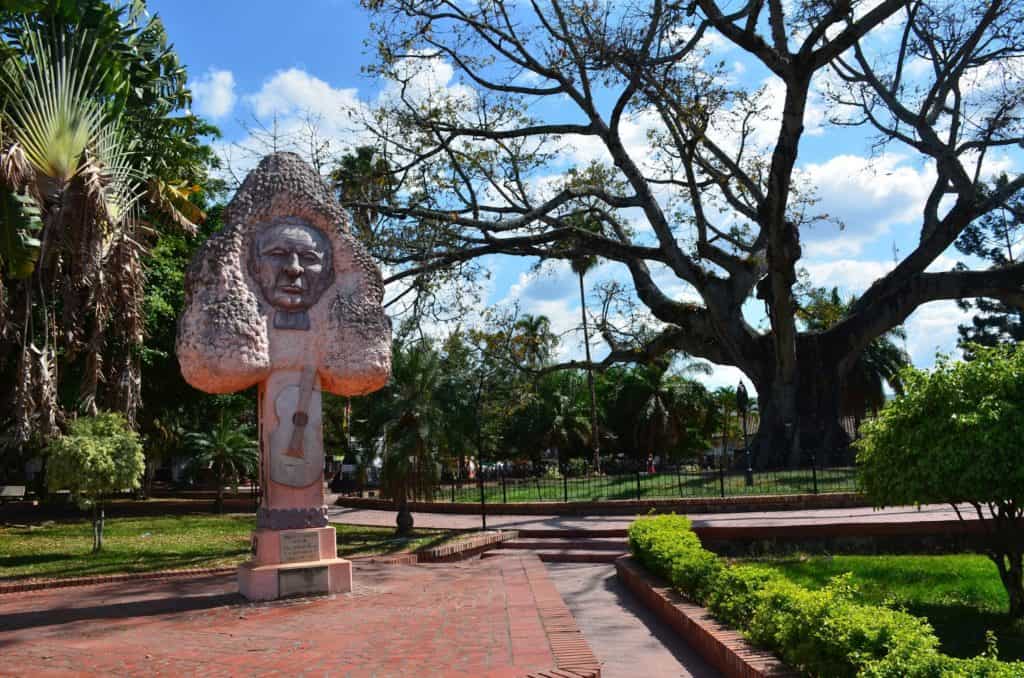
476	618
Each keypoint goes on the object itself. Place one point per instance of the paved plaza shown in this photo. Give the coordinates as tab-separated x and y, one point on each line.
476	618
899	514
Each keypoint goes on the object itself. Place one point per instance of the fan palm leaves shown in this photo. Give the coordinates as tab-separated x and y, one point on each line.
232	454
86	125
70	159
413	426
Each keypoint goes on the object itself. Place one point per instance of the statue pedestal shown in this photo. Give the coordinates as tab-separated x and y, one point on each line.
294	562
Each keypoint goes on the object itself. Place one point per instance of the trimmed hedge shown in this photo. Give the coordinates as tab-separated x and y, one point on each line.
821	632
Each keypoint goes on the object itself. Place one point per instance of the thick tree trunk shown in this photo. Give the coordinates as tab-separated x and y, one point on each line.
800	424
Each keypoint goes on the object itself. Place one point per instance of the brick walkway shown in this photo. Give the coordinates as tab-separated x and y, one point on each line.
478	618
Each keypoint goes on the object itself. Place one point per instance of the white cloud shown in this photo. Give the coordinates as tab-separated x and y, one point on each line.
295	91
852	275
214	93
932	328
425	79
869	196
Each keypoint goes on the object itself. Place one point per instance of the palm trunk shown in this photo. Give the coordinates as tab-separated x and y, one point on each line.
594	433
218	503
404	520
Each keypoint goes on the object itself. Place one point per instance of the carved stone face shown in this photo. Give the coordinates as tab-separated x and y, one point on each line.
292	264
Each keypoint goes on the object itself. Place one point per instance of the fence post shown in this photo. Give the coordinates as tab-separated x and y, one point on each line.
814	473
453	490
638	484
679	479
565	487
504	493
483	501
721	477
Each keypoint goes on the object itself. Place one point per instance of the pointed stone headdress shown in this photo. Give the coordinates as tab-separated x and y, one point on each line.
227	340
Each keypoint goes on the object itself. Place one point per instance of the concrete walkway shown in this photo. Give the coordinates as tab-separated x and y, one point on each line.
627	638
904	514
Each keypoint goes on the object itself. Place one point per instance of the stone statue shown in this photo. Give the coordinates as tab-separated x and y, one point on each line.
285	298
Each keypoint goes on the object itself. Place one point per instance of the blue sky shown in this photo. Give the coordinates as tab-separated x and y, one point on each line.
251	60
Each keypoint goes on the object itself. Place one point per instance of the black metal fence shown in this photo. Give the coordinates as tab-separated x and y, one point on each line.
679	482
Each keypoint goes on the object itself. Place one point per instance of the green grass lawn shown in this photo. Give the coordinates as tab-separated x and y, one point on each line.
62	549
653	486
960	595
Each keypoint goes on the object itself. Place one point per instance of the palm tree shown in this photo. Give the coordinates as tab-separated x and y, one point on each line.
660	411
361	179
73	187
532	340
561	414
413	426
580	266
231	453
67	156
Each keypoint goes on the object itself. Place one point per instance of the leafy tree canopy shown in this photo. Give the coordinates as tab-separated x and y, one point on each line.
97	456
954	436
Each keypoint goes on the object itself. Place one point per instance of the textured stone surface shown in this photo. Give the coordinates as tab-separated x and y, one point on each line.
227	340
291	518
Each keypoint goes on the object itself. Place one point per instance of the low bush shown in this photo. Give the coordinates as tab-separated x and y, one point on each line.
822	632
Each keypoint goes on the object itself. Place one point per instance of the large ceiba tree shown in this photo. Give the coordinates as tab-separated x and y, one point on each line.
721	210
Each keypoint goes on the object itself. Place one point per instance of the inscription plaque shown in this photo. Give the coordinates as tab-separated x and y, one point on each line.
298	547
301	581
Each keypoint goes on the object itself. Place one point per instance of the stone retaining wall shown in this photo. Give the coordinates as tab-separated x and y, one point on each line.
721	647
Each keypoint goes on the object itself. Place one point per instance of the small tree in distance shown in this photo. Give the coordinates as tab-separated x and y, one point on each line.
97	456
954	436
230	452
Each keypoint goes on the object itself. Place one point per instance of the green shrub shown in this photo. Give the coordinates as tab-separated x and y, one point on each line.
823	632
667	546
736	592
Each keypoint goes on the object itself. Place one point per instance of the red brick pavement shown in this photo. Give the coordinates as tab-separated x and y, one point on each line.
477	618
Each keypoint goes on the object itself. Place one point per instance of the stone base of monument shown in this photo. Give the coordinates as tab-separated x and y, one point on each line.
294	562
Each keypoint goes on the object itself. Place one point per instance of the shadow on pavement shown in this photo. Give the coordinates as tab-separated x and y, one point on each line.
18	621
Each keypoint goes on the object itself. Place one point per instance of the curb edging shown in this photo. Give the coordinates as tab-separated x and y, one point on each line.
721	647
573	655
41	584
464	548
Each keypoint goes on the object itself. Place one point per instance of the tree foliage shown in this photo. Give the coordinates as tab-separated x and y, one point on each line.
99	455
954	437
97	137
230	452
998	238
